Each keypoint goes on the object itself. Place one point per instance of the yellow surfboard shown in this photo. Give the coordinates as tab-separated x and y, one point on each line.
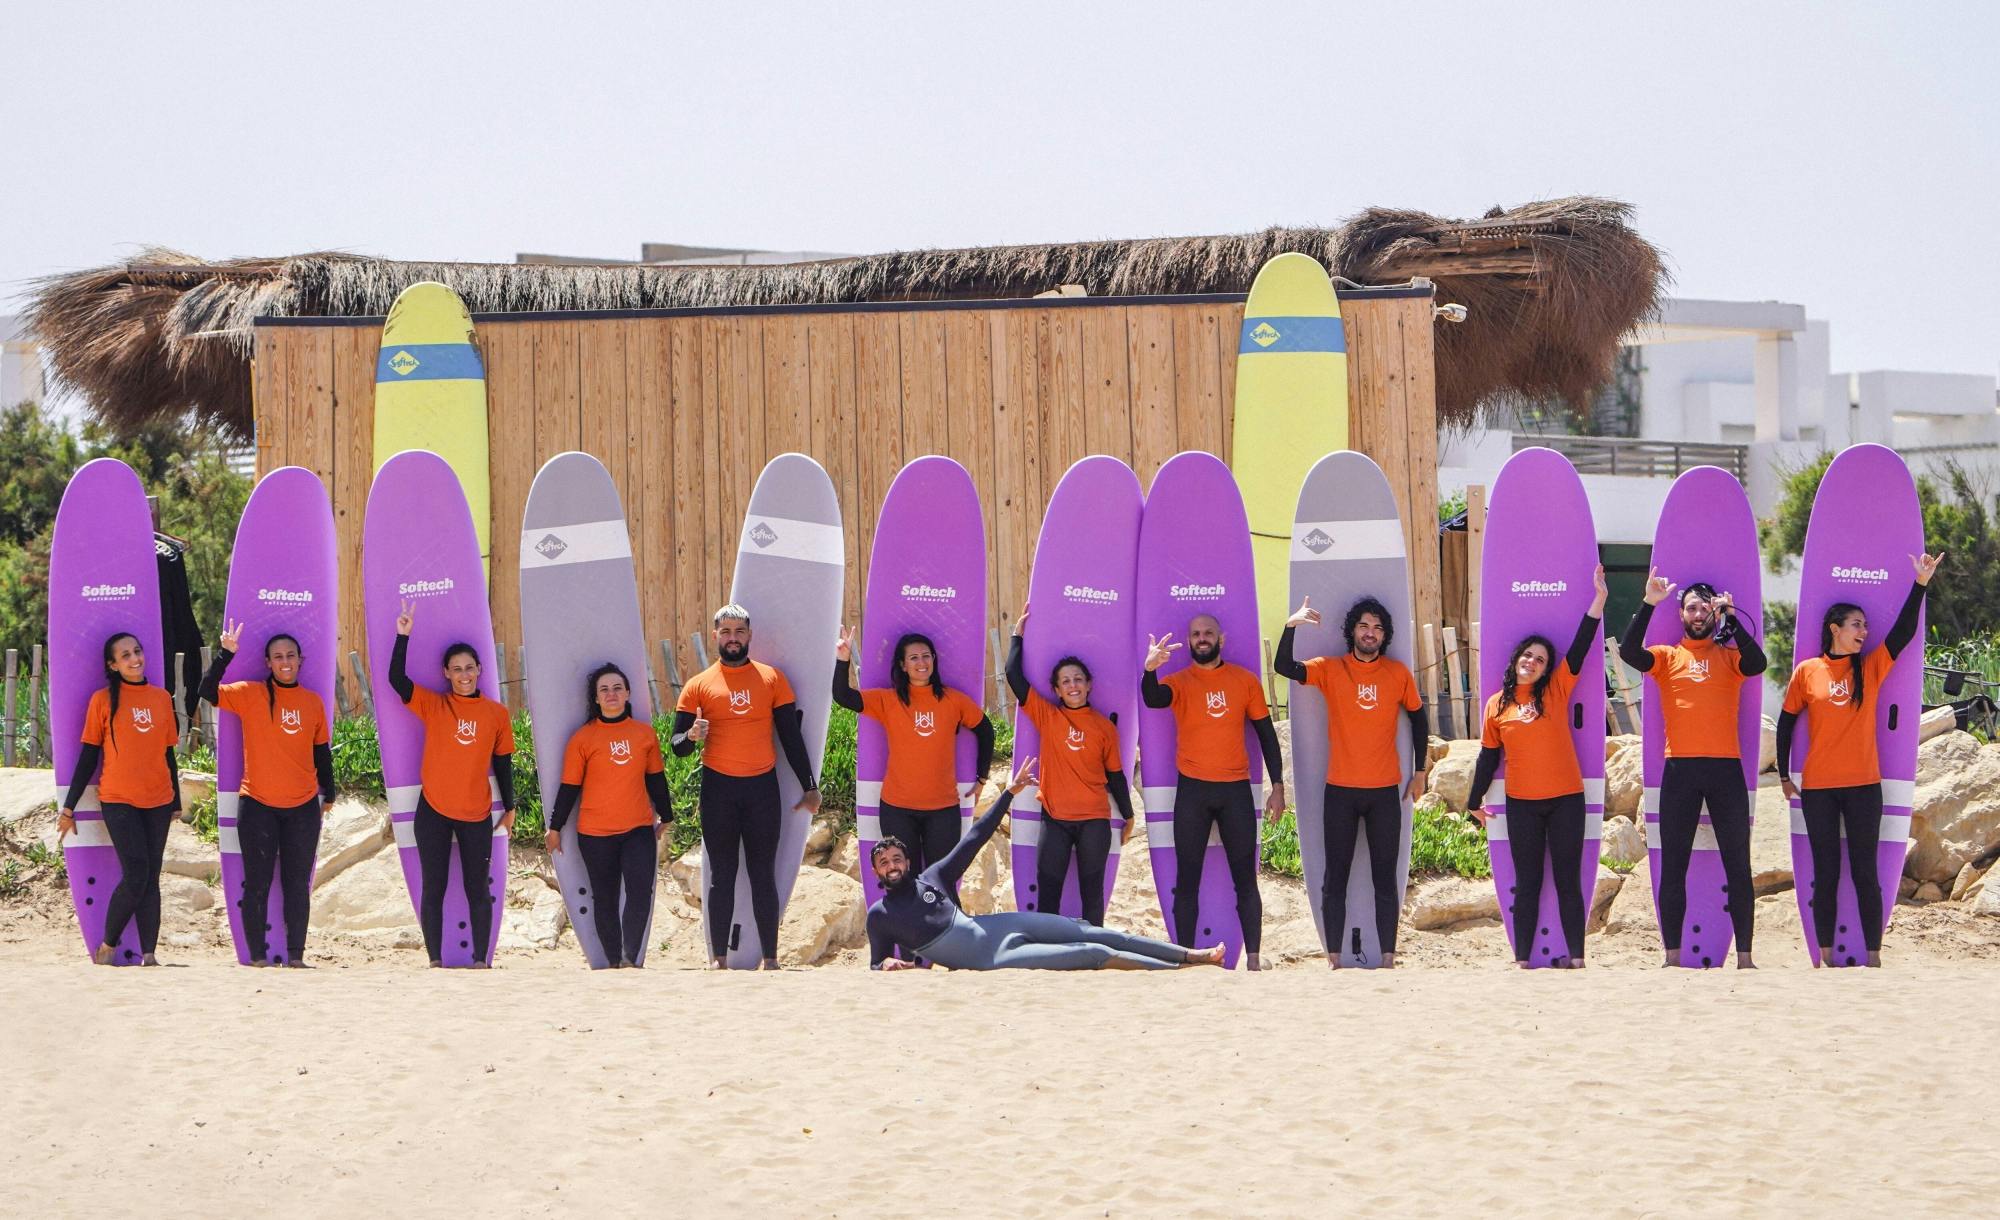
1291	411
430	392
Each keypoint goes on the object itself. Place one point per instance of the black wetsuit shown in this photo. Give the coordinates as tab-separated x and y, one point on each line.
620	866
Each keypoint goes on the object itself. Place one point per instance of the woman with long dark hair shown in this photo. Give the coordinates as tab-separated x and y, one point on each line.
614	779
1083	775
287	786
466	737
1527	725
1841	788
129	726
921	718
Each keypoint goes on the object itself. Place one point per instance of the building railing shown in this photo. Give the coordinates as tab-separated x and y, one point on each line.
1639	458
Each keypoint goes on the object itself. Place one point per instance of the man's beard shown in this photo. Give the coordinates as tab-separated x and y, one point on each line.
1204	654
1700	631
1366	652
734	653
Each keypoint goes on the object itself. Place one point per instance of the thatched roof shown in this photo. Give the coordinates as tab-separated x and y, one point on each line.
1550	288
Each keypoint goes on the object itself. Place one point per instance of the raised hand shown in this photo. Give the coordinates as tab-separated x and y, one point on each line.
843	649
1021	623
1658	587
698	731
1024	777
1157	651
1304	615
406	618
232	634
1599	590
1927	566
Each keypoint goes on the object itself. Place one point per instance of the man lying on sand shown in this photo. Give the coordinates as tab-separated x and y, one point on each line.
917	915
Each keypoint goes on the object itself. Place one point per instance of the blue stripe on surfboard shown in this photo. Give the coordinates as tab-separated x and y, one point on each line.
429	362
1279	334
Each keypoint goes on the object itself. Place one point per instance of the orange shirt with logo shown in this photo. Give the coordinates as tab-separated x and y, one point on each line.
610	763
1541	757
737	700
1365	702
1840	737
1209	709
1079	748
461	736
923	743
280	730
1699	683
135	754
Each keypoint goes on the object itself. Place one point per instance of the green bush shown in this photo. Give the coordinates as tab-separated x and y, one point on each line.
201	818
1281	846
1445	842
357	757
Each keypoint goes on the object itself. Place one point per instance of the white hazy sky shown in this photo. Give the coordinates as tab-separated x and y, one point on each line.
1837	155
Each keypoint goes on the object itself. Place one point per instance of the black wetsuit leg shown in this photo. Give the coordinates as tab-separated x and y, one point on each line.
740	815
257	835
139	836
298	845
1231	808
1377	812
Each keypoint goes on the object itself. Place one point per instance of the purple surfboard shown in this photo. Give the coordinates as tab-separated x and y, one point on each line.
418	545
1081	596
1194	558
1865	526
927	573
1535	579
1347	544
103	580
283	578
1706	533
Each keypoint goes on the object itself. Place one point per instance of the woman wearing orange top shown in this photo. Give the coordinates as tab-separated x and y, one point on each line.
1842	784
921	717
467	737
1528	726
1079	784
287	786
615	781
129	726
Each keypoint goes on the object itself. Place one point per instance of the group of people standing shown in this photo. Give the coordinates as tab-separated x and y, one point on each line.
740	714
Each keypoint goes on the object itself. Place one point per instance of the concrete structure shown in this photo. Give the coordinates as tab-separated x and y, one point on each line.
20	364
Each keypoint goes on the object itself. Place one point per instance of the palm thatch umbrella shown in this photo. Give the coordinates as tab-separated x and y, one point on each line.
1550	287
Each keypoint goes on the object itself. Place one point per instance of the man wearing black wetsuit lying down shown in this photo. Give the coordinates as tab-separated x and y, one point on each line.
917	915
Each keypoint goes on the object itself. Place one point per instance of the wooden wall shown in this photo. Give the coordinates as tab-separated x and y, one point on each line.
685	407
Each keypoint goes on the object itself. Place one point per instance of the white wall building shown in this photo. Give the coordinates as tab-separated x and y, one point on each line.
20	364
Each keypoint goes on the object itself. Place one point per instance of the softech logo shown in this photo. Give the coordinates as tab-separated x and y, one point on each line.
402	364
921	592
109	593
1539	588
1860	576
285	597
1316	541
426	588
1195	593
1264	334
763	535
550	547
1090	595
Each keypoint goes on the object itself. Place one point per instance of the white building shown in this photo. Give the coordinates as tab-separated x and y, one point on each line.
20	364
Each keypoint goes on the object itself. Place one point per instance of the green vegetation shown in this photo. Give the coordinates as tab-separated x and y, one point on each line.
1445	842
40	855
1281	846
12	883
1450	506
201	819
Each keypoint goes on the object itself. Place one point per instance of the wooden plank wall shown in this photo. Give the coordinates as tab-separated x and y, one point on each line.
685	410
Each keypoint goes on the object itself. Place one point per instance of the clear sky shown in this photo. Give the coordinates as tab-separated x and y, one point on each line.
1841	156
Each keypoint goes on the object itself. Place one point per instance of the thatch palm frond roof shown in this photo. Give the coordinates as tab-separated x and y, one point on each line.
1550	288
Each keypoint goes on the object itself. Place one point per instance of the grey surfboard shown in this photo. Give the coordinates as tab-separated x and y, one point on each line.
1347	543
579	609
791	571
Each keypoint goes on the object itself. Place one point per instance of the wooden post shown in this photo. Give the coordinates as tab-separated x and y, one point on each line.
1271	684
673	667
1474	697
203	708
174	694
13	716
37	720
1454	678
1623	708
1427	679
700	650
1475	551
995	675
361	682
341	706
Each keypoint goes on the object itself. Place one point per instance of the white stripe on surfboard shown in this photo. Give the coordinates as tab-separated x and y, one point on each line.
1593	827
1895	826
1027	832
1159	799
406	833
227	838
868	826
868	792
1496	828
1593	792
403	798
786	538
90	832
1376	538
1899	793
586	542
87	803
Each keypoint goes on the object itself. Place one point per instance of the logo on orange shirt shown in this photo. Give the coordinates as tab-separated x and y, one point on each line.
926	723
1698	671
290	720
1838	693
1526	713
142	719
1218	703
739	702
621	752
1367	696
468	732
1075	739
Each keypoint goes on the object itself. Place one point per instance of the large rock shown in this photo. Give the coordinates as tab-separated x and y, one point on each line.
686	873
1631	908
196	786
819	840
845	858
351	833
1624	777
1767	745
988	885
1986	901
1928	892
1615	742
24	791
368	897
1609	882
1451	776
1970	880
824	917
1439	748
1936	722
1624	843
534	917
1438	904
185	895
1957	809
188	856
